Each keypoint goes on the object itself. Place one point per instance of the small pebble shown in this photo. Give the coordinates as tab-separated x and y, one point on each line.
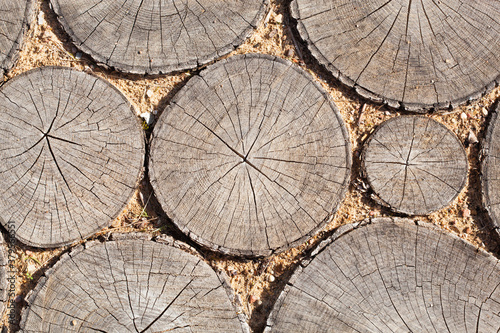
149	93
279	19
73	322
41	19
472	137
466	212
148	118
78	55
271	278
463	116
253	298
18	299
31	267
485	112
372	213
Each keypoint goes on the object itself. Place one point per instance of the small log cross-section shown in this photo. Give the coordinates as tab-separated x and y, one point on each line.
491	169
392	276
135	285
417	55
251	157
414	164
154	37
71	152
15	18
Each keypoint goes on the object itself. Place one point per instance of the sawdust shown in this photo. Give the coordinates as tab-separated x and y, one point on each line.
257	282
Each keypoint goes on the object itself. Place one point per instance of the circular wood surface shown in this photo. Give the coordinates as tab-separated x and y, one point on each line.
139	36
392	276
131	285
251	157
16	16
491	169
71	150
415	165
418	54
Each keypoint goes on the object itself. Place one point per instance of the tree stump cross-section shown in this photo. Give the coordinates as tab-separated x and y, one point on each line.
131	285
392	275
16	16
154	37
413	54
251	157
71	152
414	164
491	169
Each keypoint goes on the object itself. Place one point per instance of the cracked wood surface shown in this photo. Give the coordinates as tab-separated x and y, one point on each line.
414	164
131	284
15	18
71	153
418	54
392	275
491	169
251	157
140	36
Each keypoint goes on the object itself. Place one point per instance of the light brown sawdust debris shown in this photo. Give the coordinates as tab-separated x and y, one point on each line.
257	282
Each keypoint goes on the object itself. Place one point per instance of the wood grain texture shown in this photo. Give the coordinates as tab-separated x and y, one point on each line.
417	55
131	284
392	275
15	18
252	156
144	36
414	164
491	169
71	152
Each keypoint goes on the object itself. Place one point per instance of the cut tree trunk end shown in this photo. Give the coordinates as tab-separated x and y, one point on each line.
414	164
418	55
132	284
490	175
251	157
392	275
158	36
71	153
16	17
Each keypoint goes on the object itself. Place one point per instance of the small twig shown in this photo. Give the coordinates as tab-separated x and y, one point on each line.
268	16
299	53
143	210
361	110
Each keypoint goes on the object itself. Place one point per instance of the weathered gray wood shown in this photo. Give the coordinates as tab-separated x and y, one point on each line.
414	164
131	285
158	36
252	156
415	54
15	18
71	151
490	176
393	275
